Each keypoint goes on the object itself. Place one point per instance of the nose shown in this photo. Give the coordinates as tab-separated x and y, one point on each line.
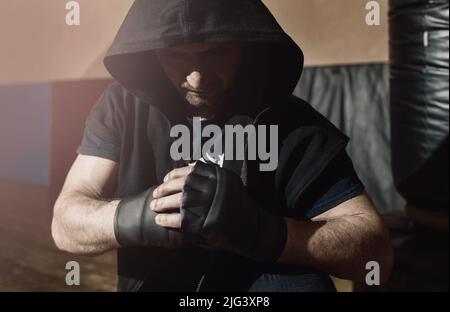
194	79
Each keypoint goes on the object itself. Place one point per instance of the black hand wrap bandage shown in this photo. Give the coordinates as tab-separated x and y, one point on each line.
134	225
216	207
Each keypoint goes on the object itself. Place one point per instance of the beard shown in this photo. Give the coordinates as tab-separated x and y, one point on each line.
205	98
198	100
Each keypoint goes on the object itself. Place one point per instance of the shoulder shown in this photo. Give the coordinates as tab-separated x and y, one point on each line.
337	183
112	101
308	143
119	103
298	120
301	114
118	97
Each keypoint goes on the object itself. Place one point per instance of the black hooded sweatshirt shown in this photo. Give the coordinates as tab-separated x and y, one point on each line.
131	123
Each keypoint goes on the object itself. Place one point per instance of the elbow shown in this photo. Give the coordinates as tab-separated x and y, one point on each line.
65	243
385	253
382	253
59	238
380	249
65	234
60	234
57	228
387	259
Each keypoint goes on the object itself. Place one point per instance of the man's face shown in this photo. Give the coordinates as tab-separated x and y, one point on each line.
202	72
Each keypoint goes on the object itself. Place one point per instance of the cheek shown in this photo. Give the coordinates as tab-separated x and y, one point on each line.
228	69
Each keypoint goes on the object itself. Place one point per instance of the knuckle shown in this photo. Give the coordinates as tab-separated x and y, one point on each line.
170	175
171	184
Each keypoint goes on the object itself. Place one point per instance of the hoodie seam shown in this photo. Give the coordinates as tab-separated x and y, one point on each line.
247	37
186	25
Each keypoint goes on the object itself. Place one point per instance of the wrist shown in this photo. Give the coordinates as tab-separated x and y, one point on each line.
110	223
135	225
130	218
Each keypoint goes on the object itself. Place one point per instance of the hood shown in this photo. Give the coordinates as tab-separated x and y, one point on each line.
271	67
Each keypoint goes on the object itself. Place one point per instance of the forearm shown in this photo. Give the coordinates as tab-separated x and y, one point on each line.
82	225
340	241
341	247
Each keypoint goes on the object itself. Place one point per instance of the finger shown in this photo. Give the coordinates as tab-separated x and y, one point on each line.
178	173
169	220
167	203
170	187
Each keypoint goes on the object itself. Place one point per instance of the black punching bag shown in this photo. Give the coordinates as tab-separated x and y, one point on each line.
419	58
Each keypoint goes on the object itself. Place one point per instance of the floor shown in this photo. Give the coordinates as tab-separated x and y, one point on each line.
29	260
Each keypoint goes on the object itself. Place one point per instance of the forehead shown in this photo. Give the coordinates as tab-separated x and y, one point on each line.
200	47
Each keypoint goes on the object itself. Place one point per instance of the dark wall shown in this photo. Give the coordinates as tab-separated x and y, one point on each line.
356	99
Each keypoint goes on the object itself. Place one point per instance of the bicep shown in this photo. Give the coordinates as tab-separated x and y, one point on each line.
336	185
360	205
92	176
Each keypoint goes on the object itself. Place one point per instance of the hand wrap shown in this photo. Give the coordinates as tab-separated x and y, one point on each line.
216	207
134	225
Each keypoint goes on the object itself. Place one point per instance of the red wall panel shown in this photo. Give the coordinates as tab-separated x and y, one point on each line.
71	103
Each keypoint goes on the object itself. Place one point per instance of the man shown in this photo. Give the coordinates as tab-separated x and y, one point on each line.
182	225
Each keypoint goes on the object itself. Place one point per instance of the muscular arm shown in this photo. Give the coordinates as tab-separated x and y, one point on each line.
83	220
341	241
